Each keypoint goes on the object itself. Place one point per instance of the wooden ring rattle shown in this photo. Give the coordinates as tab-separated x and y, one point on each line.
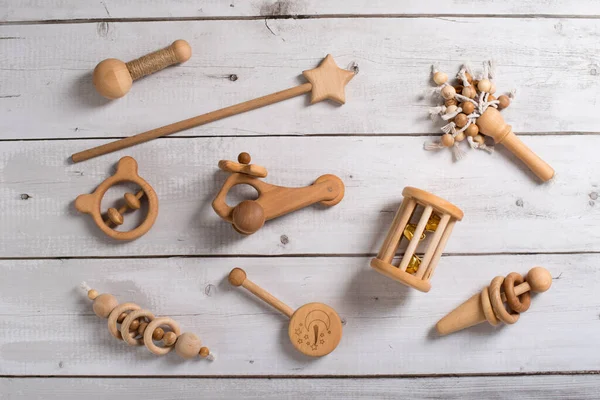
438	216
488	305
140	327
113	78
126	172
315	329
273	201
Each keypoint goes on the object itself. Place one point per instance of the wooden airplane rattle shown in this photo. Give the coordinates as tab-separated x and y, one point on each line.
489	304
273	201
113	78
136	327
327	81
126	172
315	328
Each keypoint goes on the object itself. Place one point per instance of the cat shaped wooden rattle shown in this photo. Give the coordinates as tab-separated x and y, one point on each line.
126	172
489	304
273	201
315	328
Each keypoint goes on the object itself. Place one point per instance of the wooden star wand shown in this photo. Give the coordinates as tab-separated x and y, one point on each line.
327	81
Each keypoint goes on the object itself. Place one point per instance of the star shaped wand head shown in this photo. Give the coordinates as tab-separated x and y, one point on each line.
328	81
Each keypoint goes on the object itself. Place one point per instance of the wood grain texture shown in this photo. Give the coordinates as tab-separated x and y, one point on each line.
47	73
28	10
388	329
506	209
557	387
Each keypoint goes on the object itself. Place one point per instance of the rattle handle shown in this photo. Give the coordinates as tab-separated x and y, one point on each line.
192	122
178	52
268	298
524	153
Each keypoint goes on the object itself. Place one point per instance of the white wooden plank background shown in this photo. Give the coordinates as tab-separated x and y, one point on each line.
553	64
548	51
388	328
575	387
27	10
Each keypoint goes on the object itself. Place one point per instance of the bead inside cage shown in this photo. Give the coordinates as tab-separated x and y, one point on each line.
437	220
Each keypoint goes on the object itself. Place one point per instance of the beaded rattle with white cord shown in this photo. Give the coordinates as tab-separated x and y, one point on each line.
141	327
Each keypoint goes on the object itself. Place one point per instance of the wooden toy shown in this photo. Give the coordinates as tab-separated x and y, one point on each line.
273	201
473	113
126	172
128	322
438	217
113	78
327	81
489	304
315	329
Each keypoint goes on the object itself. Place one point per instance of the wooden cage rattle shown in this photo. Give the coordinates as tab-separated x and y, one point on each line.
90	203
136	327
489	304
438	217
113	78
273	201
315	329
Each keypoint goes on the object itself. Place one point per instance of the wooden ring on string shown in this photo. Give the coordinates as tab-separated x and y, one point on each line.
487	307
516	303
131	339
114	315
155	323
498	304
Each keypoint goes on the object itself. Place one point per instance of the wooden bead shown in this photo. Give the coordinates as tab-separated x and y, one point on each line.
188	345
461	120
447	140
248	217
472	130
158	334
92	294
539	279
169	339
493	88
478	139
459	137
469	77
451	109
204	352
121	317
484	85
104	304
469	92
135	324
237	276
244	158
504	101
115	216
450	102
132	201
440	78
142	328
448	92
467	107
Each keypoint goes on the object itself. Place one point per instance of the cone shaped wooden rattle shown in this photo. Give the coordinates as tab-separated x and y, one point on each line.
113	78
315	328
489	304
492	124
327	81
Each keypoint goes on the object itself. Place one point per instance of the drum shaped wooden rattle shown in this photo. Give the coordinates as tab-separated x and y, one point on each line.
126	172
315	328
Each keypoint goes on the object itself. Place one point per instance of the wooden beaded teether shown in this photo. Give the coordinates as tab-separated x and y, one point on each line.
438	217
126	172
315	329
273	201
113	78
140	327
489	304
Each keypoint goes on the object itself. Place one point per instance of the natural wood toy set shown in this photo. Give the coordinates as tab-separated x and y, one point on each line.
315	329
